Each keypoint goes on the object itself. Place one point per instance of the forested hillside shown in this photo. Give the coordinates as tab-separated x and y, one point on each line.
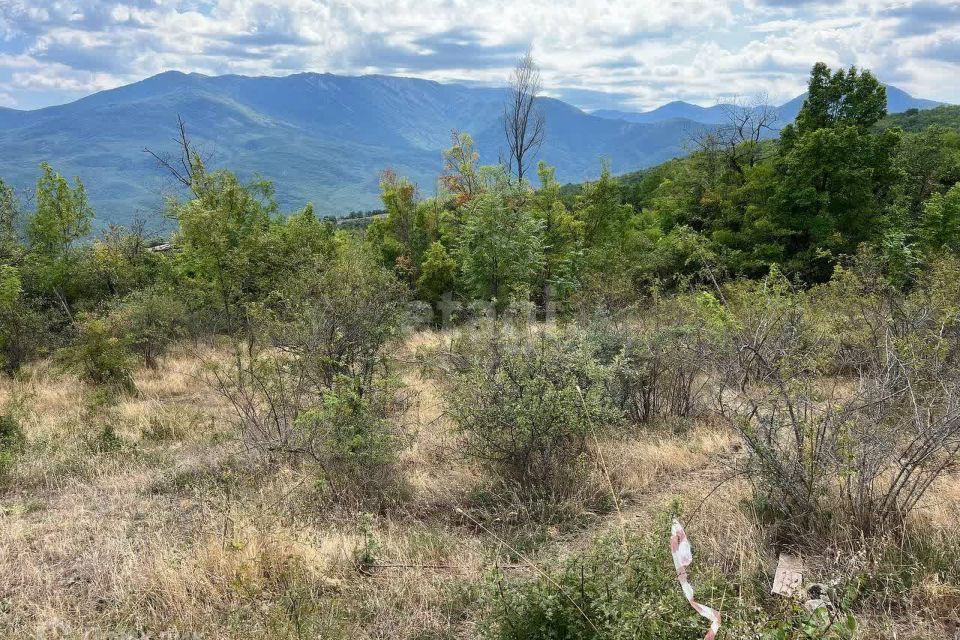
915	120
320	138
487	412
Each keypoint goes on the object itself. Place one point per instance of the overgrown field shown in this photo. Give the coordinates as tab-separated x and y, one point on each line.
502	479
478	416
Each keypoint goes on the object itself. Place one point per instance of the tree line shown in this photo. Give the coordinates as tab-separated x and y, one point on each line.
834	185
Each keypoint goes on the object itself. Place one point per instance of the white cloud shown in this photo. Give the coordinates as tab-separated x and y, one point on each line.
643	52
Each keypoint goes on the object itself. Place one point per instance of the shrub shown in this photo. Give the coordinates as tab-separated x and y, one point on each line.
25	333
627	589
12	442
614	591
337	321
832	455
660	360
99	356
353	441
150	320
313	384
524	406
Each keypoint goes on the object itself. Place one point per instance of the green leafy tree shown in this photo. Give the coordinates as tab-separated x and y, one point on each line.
461	178
9	219
228	250
305	240
835	178
604	219
402	238
846	97
929	163
10	288
437	273
940	226
61	219
501	246
561	238
116	264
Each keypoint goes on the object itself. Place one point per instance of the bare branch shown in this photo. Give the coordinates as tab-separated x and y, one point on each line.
523	120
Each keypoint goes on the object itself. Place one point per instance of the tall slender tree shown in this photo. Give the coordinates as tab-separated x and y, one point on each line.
524	124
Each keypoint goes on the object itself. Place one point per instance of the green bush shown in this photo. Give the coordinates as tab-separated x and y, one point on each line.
101	357
314	384
525	405
354	442
627	589
613	591
12	442
659	358
150	320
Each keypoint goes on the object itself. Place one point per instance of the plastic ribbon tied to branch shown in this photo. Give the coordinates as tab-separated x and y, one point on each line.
682	557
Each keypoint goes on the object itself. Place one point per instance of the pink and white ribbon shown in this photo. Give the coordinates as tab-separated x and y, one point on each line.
682	558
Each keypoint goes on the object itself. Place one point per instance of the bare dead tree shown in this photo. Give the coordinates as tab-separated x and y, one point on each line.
736	143
187	168
747	123
523	120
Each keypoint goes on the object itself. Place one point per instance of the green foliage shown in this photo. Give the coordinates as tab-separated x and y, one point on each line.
61	219
313	383
149	321
833	184
116	264
626	588
659	357
562	234
604	219
403	245
100	356
500	248
10	288
916	120
351	438
939	229
365	554
9	221
227	251
928	163
437	274
10	314
338	320
461	178
842	98
25	333
525	406
618	589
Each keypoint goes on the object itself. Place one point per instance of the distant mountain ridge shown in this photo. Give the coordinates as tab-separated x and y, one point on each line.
898	101
320	137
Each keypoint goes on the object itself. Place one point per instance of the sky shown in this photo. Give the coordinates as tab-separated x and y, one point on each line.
626	54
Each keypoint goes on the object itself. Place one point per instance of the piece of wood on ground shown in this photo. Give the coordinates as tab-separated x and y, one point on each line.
789	577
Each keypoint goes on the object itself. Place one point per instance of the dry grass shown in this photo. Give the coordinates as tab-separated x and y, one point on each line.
177	530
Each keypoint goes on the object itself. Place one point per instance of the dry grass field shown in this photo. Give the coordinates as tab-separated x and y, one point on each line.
147	516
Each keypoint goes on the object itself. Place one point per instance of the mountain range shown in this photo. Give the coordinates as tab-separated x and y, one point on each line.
321	138
898	101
